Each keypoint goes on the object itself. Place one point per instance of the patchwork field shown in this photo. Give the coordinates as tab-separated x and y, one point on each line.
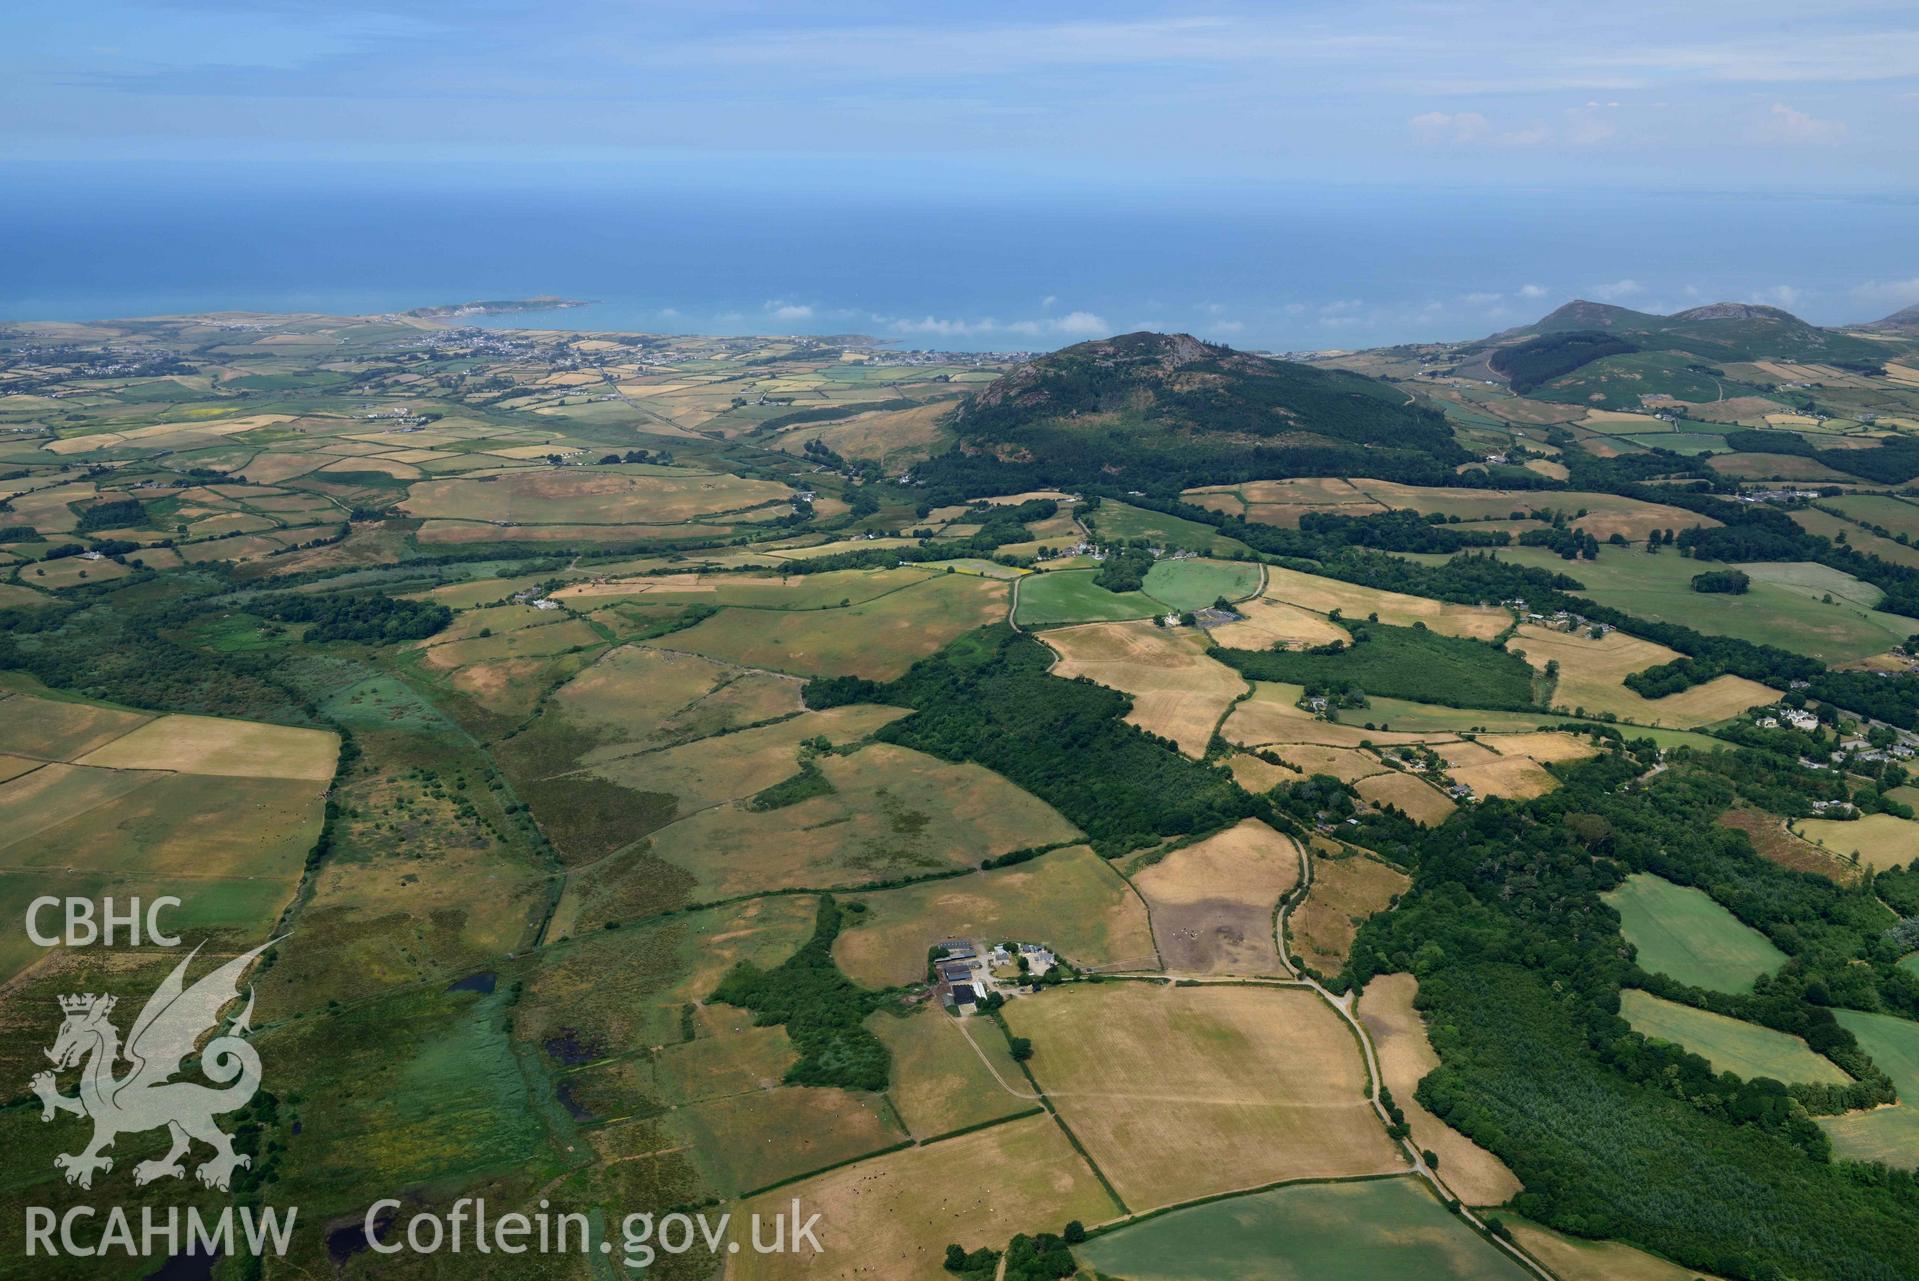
1266	623
1405	1057
1185	584
1770	613
878	639
1590	672
950	1075
1878	841
1606	514
1179	691
1682	932
1180	1093
894	1215
888	812
1212	902
1730	1045
595	496
1071	596
1071	900
1324	595
743	1142
1418	800
1889	1134
1345	891
1360	1231
205	745
1120	522
219	813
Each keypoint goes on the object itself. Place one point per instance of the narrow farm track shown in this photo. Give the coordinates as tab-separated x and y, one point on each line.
959	1025
1344	1004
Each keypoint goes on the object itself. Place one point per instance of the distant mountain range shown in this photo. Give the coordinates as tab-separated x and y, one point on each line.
1725	331
1902	323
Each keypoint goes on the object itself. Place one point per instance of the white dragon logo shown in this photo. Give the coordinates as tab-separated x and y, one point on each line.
172	1022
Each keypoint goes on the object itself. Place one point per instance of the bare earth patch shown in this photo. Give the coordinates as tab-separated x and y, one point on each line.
1212	902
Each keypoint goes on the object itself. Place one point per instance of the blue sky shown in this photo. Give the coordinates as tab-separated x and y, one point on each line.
1760	94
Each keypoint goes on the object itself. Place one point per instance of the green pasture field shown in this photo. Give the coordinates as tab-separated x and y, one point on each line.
1893	1043
1784	467
1071	596
1826	525
1889	1134
1681	442
1683	933
1402	662
1117	521
1791	616
1423	718
878	639
1900	515
1196	584
1354	1231
1730	1045
1813	581
226	913
830	590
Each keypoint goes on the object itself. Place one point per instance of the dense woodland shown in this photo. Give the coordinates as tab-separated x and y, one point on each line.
1538	361
822	1010
1520	967
1399	662
987	698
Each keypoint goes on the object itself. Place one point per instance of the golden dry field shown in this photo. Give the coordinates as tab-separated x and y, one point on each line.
1180	1093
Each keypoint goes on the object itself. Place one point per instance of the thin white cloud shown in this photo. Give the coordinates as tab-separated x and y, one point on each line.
1790	127
1450	126
783	310
1617	289
1532	293
1893	295
1079	322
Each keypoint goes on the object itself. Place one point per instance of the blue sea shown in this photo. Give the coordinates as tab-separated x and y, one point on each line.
963	265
